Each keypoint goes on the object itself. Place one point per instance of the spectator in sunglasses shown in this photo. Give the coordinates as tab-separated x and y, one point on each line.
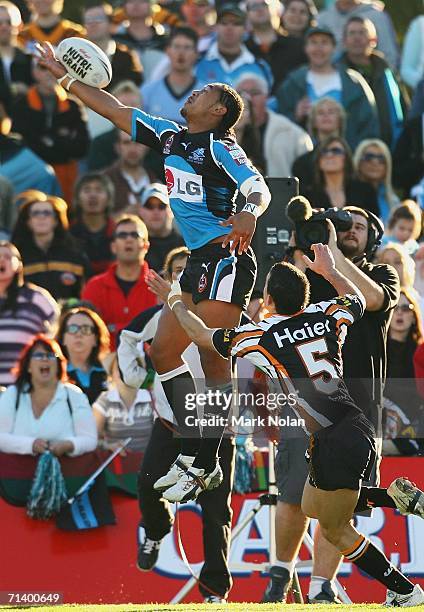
52	258
84	339
42	411
121	292
334	181
157	215
373	164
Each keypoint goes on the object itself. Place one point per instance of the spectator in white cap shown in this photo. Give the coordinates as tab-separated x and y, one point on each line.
157	215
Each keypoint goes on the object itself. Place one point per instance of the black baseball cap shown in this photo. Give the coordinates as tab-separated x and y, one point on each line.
321	30
231	8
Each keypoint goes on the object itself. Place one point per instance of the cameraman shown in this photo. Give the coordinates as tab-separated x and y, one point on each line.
364	358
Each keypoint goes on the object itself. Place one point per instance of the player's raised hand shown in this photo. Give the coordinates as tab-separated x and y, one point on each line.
158	285
323	262
48	60
243	227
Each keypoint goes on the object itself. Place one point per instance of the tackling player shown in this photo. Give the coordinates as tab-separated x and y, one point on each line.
204	169
302	342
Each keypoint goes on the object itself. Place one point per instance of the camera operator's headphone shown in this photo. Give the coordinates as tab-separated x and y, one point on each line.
375	234
375	229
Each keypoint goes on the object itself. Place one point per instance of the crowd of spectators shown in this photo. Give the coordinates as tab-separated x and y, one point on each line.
330	97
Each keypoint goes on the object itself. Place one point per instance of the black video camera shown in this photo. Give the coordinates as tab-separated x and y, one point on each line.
311	226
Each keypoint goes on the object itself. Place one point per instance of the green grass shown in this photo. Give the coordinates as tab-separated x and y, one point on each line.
231	607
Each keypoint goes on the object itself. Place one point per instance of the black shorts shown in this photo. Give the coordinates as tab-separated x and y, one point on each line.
343	455
291	469
213	273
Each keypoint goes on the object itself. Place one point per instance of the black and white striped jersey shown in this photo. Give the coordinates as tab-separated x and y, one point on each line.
302	351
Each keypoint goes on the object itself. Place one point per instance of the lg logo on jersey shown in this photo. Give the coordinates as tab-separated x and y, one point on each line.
190	188
184	185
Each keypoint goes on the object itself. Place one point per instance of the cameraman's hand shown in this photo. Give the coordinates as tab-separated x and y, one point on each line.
323	263
297	253
332	241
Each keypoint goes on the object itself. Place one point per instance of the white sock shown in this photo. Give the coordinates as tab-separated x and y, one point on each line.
315	586
288	565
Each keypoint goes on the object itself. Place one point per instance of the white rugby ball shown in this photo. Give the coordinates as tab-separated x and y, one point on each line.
85	61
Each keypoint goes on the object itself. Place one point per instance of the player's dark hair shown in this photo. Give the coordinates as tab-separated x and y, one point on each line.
233	102
288	287
186	32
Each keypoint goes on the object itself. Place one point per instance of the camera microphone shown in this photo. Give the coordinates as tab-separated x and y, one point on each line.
299	209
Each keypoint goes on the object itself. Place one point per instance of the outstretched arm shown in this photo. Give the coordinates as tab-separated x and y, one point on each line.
192	325
98	100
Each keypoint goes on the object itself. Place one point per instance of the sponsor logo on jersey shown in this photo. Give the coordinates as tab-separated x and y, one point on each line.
237	154
197	156
183	185
168	145
305	332
226	337
169	177
203	283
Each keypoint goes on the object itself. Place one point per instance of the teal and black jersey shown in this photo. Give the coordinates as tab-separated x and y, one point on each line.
203	174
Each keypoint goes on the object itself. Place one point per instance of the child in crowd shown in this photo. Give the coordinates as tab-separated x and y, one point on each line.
404	226
123	412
